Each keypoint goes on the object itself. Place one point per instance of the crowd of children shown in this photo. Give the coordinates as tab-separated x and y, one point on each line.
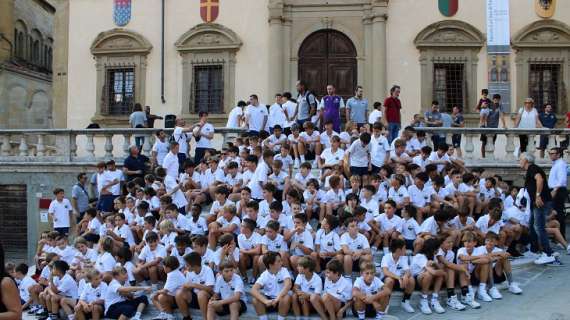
297	225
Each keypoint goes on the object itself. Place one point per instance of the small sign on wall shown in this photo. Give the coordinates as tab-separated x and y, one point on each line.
44	216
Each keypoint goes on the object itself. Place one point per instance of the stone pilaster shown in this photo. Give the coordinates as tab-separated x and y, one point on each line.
378	58
275	50
60	63
6	29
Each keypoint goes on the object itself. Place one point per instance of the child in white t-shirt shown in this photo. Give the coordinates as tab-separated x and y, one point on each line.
271	290
410	227
198	286
477	264
428	274
355	247
91	298
337	290
302	243
164	299
397	275
314	200
307	290
229	294
370	295
227	223
150	261
60	211
249	242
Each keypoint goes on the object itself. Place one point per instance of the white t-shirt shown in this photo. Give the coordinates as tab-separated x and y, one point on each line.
178	197
225	223
148	255
245	243
24	285
272	284
105	262
456	222
233	118
331	158
309	286
358	154
326	138
182	139
410	229
180	257
341	290
398	195
430	226
435	157
199	227
112	295
419	262
388	223
204	142
302	179
420	198
218	256
290	107
174	281
398	268
125	233
161	148
305	238
380	147
260	176
369	289
278	244
335	197
60	212
483	225
279	179
227	290
256	116
528	119
374	116
372	206
276	116
170	164
449	255
205	277
358	243
67	286
327	242
477	251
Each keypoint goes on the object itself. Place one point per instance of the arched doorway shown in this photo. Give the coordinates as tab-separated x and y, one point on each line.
328	57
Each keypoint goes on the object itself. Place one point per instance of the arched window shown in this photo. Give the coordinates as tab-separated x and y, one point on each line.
50	59
20	32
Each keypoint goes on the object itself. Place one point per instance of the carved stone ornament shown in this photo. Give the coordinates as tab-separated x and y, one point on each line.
208	37
543	33
449	33
119	41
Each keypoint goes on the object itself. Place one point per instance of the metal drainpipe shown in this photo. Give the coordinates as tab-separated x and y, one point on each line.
162	59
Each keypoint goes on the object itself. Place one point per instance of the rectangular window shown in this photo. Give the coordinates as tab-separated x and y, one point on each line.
543	85
208	89
120	91
448	84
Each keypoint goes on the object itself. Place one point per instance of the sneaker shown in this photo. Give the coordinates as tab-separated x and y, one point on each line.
424	306
555	263
495	294
568	249
469	300
161	316
483	295
436	306
454	304
530	254
544	259
33	309
407	306
514	288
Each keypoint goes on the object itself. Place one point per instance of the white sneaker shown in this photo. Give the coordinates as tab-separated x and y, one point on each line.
424	306
544	259
530	254
568	249
454	304
296	164
469	300
161	316
514	288
407	306
483	295
495	294
436	306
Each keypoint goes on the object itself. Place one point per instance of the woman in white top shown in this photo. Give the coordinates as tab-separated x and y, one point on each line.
138	119
527	118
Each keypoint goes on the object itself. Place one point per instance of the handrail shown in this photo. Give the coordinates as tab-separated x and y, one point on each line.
108	131
515	131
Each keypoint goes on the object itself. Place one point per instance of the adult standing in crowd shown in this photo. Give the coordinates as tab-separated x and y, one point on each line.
135	164
547	120
276	113
159	149
180	135
151	118
256	116
392	109
307	103
235	118
458	122
527	118
138	120
291	109
434	119
10	303
204	136
170	162
557	182
496	113
80	196
357	108
540	205
331	104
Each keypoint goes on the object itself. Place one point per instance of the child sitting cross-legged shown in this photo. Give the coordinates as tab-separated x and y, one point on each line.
164	299
120	300
271	290
91	304
307	290
229	294
371	297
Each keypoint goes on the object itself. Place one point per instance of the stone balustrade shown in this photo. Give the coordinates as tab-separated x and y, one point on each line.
82	146
506	150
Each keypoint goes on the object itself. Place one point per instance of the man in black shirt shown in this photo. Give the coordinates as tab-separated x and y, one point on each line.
135	164
540	205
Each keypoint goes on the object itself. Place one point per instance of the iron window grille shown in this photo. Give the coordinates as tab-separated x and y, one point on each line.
544	84
120	93
208	89
449	83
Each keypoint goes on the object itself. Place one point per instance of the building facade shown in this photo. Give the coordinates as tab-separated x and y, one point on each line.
265	46
26	51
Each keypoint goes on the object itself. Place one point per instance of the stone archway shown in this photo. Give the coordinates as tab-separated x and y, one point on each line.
328	57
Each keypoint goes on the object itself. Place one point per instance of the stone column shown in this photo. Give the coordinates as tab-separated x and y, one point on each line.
59	64
378	58
275	50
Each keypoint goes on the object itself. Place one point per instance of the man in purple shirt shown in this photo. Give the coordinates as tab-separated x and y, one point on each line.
331	105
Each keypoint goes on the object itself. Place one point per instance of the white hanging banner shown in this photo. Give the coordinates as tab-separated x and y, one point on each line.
499	51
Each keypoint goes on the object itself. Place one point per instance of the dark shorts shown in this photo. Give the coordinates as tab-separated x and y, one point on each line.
375	169
474	279
226	309
324	261
63	231
194	301
359	171
396	286
126	308
370	311
105	203
181	159
456	140
499	278
310	154
543	142
199	154
409	244
271	309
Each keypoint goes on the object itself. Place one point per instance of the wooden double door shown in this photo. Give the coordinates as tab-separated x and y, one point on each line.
328	57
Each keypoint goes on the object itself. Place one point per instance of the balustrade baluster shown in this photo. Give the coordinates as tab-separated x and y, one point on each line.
6	146
490	148
41	148
531	148
126	143
469	147
108	146
90	147
146	145
73	145
510	147
23	146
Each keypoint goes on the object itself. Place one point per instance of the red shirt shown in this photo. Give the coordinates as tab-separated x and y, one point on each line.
568	120
392	108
